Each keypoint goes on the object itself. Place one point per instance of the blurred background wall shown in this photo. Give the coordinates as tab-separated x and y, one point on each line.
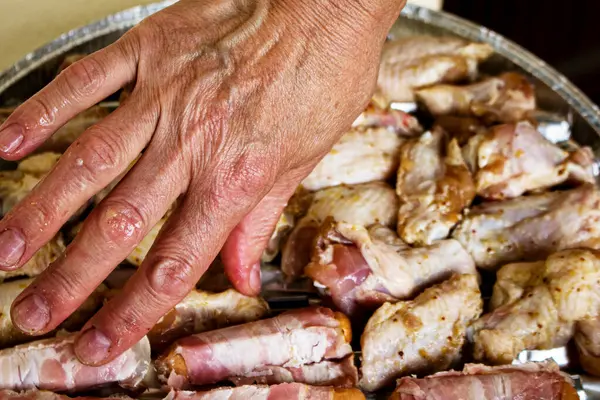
565	34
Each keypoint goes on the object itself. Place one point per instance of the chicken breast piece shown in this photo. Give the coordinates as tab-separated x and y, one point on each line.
587	341
361	155
289	341
15	185
509	97
51	364
202	311
532	381
67	134
531	227
284	391
364	205
509	160
423	335
418	61
10	335
434	186
39	261
361	269
557	295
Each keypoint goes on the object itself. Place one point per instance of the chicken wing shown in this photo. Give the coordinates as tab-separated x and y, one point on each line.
459	128
365	205
202	311
361	155
506	98
532	381
560	292
509	160
10	335
284	391
434	186
362	269
398	121
292	340
51	364
39	261
418	61
531	227
423	335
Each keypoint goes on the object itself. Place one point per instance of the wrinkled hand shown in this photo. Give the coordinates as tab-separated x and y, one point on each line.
233	104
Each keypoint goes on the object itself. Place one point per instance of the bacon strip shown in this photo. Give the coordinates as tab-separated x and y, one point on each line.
51	364
275	348
45	395
477	382
285	391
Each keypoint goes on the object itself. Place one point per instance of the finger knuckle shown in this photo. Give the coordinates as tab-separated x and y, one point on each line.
41	111
40	214
171	276
122	222
100	151
84	77
248	176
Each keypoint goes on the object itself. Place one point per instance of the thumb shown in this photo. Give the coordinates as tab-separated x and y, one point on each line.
244	247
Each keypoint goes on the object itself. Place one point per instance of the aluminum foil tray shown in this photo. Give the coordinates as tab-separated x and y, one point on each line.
577	119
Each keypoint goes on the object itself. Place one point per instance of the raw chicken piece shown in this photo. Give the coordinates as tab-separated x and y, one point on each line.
459	128
512	280
38	165
202	311
362	269
506	98
39	261
361	155
509	160
401	122
587	340
434	186
531	381
530	228
284	391
560	292
423	335
15	185
51	364
364	205
291	340
66	135
10	335
418	61
45	395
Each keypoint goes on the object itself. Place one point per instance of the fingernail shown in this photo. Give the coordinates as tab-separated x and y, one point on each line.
31	314
92	347
11	138
12	247
254	280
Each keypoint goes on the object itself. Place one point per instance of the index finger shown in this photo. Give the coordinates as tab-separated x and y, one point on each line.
74	90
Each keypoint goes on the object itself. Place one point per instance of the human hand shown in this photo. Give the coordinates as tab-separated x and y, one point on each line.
234	103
